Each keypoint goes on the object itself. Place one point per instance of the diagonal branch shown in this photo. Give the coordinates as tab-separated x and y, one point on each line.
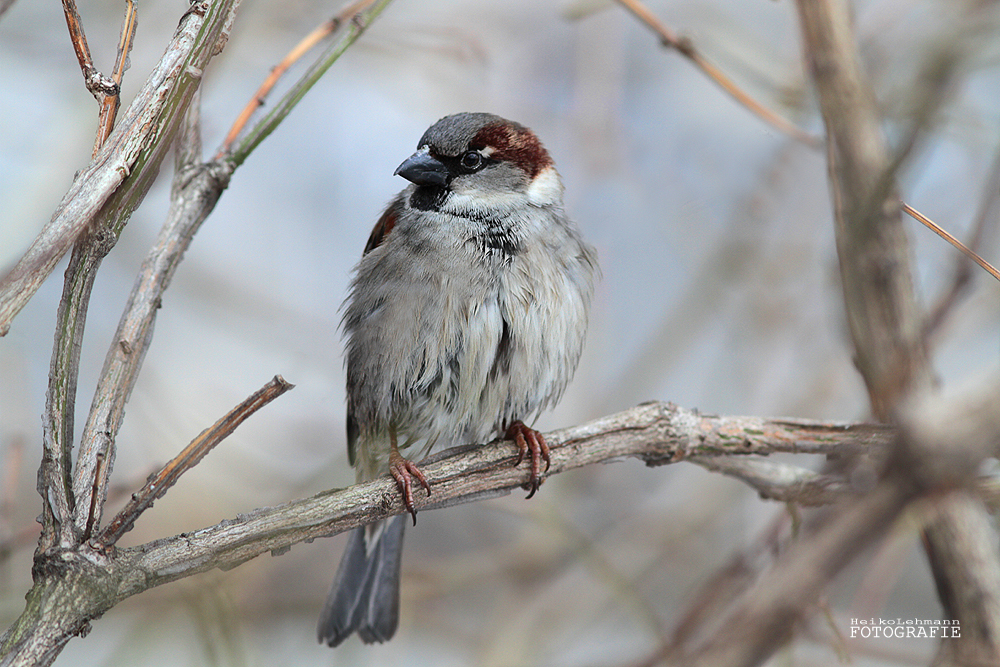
167	476
120	174
324	30
355	19
684	47
656	433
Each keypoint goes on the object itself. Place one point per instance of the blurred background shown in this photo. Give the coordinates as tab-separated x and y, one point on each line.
720	292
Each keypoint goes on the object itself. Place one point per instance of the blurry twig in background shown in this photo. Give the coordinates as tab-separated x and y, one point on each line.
941	442
941	68
4	6
684	47
962	274
717	593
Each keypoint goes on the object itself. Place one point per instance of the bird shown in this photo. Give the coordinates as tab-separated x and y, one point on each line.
465	319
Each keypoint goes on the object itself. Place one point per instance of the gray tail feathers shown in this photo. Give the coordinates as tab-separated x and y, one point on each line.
365	593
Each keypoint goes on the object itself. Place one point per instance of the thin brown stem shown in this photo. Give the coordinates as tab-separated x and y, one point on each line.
111	102
206	441
321	32
931	225
94	80
687	49
962	273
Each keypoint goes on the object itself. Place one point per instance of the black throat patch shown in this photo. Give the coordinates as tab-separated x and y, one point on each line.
428	197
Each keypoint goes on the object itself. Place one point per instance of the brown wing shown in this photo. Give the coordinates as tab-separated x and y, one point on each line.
381	231
384	225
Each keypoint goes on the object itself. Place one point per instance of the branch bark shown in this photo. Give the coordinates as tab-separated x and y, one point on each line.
75	585
120	174
930	458
882	310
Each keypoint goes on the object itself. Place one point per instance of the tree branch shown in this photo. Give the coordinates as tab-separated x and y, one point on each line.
196	189
871	240
119	175
881	306
930	457
158	483
687	49
656	433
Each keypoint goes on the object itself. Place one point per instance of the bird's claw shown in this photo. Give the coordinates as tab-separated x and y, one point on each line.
529	440
403	471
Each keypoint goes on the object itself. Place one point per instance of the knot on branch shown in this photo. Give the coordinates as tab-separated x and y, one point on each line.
100	85
56	563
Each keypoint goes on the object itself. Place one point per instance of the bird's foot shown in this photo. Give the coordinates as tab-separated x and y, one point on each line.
403	471
529	440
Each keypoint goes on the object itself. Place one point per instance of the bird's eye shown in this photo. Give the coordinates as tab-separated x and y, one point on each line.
471	161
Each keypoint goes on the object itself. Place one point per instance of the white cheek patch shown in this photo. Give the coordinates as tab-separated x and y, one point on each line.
546	188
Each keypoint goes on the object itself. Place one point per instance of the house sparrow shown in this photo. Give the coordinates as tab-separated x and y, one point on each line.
465	319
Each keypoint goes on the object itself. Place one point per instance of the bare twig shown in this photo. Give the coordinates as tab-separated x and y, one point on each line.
962	273
323	31
357	16
98	84
168	475
111	102
64	519
684	47
931	225
195	191
60	604
118	177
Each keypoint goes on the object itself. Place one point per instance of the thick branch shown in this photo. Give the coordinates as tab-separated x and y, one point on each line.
73	586
195	192
656	433
940	448
872	246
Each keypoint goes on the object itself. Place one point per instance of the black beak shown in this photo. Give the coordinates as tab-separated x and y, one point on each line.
423	169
